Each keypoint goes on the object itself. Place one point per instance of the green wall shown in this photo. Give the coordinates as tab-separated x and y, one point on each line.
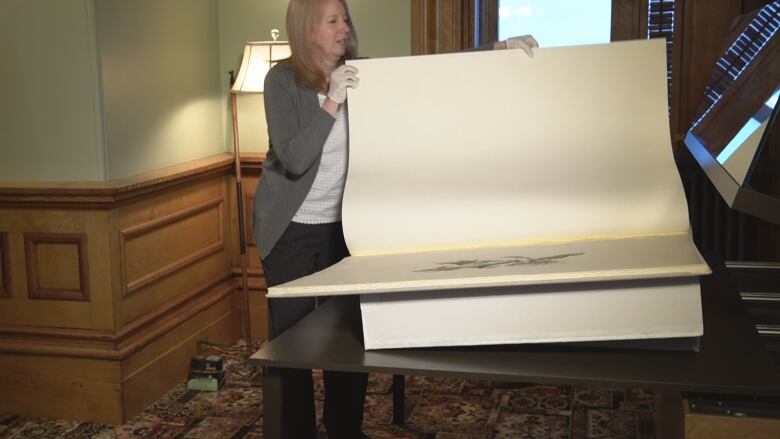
162	102
384	27
97	90
50	117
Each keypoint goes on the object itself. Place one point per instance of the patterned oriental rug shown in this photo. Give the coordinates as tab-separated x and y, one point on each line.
437	408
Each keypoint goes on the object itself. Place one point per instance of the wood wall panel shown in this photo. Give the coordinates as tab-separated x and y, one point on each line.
51	252
152	253
172	245
258	310
169	202
56	342
157	323
258	304
57	266
250	176
110	345
249	232
51	314
160	247
186	284
87	195
225	306
5	267
253	253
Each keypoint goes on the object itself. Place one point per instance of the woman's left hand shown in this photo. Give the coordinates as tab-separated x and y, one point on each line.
526	42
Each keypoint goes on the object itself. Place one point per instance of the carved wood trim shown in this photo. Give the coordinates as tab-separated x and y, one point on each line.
258	283
146	227
35	290
170	307
252	162
105	345
5	267
441	26
449	26
488	21
91	335
90	195
138	334
255	276
629	20
468	29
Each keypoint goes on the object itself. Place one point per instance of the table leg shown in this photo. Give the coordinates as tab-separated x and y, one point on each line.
399	399
272	403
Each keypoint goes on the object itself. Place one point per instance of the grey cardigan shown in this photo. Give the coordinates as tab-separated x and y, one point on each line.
297	128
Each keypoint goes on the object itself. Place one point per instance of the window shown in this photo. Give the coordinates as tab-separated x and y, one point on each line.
453	25
588	22
566	23
556	22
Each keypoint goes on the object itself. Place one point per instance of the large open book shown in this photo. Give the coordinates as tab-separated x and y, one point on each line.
483	170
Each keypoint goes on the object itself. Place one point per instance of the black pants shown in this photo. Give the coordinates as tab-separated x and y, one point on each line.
304	249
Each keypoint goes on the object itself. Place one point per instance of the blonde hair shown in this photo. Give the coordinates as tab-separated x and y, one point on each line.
302	15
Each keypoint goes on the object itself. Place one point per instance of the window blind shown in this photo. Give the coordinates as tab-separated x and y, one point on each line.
660	24
740	54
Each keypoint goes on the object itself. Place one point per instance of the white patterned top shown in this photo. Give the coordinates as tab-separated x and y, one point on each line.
323	202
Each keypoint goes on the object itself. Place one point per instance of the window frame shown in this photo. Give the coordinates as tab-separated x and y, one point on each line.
629	20
442	26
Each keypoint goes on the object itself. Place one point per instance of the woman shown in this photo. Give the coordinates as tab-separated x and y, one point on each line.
298	209
298	213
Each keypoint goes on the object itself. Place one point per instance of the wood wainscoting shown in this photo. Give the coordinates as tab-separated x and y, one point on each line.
107	288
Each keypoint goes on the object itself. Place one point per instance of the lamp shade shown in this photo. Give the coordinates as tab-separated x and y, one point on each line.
259	57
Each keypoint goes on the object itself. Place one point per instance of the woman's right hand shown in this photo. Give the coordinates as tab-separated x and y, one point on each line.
341	79
526	42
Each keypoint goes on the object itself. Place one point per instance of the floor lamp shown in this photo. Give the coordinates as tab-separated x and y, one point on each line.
258	58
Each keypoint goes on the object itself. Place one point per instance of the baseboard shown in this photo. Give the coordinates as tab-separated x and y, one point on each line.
61	387
170	355
111	391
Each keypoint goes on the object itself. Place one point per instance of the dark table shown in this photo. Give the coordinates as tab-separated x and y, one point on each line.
731	360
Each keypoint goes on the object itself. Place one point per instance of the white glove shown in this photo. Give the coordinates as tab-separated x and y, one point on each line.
341	79
525	42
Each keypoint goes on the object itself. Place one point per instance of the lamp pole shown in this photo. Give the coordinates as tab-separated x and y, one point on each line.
241	228
259	57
